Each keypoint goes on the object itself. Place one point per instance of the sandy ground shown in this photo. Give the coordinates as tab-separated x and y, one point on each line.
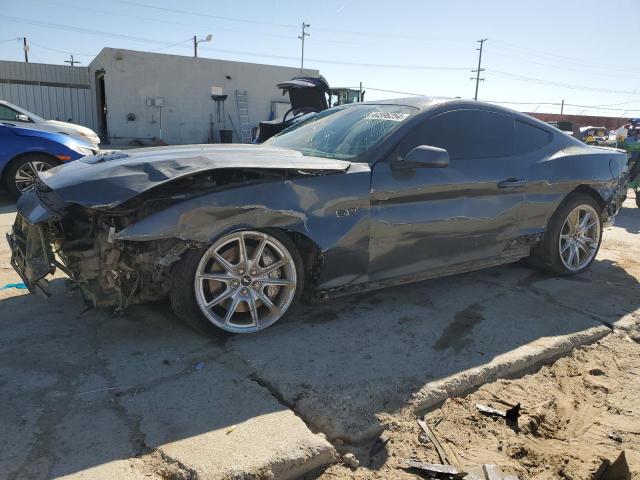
570	410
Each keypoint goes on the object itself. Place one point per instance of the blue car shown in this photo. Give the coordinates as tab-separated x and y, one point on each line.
24	152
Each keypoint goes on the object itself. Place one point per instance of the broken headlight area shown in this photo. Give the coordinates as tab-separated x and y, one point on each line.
114	273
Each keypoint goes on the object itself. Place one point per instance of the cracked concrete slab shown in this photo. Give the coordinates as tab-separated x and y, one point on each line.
339	367
217	425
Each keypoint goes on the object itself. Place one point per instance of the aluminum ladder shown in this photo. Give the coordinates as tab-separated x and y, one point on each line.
243	116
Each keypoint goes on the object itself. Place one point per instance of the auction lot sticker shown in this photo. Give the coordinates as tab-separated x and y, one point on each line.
394	117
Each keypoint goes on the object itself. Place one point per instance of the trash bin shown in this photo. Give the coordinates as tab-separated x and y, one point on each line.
226	135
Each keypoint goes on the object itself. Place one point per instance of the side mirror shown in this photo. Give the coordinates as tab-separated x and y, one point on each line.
427	157
21	117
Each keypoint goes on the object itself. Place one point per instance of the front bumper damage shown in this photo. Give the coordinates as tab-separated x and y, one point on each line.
31	255
79	242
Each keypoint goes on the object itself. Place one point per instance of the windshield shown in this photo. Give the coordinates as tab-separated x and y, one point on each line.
33	116
343	132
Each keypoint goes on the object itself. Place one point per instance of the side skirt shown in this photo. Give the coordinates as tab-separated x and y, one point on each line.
511	255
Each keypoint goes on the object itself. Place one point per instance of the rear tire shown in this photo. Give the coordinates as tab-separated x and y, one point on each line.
21	173
573	237
257	297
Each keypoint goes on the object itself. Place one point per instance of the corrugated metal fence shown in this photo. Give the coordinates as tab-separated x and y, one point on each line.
54	92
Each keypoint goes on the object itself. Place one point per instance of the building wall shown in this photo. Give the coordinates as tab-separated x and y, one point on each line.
610	123
132	78
54	92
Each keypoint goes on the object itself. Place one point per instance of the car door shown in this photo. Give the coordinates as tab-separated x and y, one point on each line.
432	219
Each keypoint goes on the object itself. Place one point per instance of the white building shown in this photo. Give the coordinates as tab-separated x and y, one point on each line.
146	96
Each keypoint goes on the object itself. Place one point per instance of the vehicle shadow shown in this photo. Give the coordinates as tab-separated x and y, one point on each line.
629	218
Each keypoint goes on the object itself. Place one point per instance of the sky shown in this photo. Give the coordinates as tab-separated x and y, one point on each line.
536	54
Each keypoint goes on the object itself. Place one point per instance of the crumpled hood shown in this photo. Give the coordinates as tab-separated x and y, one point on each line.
111	178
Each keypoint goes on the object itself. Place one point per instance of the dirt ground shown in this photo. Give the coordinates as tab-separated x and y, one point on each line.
575	413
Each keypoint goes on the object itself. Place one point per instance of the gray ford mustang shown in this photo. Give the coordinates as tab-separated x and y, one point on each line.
355	198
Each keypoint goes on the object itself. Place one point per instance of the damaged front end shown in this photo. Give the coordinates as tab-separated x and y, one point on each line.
79	242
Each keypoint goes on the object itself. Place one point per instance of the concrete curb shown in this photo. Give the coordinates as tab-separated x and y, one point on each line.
514	363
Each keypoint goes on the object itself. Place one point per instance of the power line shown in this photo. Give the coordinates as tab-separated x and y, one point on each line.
540	81
60	51
202	14
183	42
235	52
556	104
285	25
555	67
563	58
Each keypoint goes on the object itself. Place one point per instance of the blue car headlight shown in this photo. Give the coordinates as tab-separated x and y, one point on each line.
82	150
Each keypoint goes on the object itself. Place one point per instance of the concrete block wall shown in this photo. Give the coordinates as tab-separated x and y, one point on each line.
184	84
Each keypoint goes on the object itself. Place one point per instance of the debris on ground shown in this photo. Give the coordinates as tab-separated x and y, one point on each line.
350	460
434	470
17	286
511	414
615	436
572	419
616	470
434	440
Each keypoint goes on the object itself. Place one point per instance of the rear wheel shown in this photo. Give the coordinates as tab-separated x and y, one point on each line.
23	172
243	283
573	238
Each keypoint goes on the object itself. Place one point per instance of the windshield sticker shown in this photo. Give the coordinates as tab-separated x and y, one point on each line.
394	117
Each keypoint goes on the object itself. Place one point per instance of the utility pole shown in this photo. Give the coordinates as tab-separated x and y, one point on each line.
196	42
479	69
72	62
301	37
26	49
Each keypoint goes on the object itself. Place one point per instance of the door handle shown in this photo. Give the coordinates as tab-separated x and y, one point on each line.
512	183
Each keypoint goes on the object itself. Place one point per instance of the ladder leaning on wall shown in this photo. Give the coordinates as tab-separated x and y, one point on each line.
243	116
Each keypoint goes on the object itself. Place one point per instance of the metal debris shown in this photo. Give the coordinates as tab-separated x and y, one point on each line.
436	470
432	436
615	436
510	414
616	470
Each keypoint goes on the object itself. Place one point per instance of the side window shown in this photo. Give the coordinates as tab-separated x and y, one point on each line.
7	114
530	138
466	134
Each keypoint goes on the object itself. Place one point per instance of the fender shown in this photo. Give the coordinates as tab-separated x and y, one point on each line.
331	211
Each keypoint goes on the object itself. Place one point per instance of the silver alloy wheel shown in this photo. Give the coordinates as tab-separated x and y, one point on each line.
245	281
579	237
27	175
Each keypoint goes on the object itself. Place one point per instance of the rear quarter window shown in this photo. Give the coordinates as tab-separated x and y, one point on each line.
530	138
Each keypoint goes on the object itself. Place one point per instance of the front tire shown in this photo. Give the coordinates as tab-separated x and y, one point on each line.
242	283
573	238
23	172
